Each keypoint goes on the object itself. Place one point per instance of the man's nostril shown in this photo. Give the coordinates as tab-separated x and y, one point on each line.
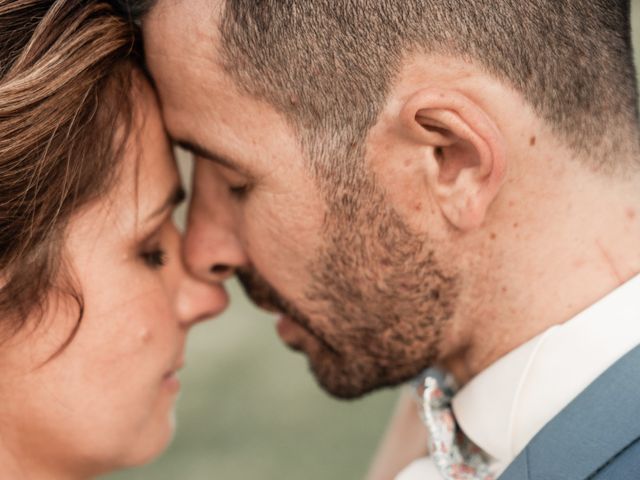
220	269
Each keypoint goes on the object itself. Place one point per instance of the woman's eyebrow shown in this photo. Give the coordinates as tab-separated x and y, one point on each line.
176	197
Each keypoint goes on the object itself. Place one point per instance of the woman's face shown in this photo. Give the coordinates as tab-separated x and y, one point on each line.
106	401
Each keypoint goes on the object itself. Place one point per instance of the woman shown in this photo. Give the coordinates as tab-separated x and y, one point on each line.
94	301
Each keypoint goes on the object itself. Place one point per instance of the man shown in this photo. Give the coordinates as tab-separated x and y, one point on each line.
426	183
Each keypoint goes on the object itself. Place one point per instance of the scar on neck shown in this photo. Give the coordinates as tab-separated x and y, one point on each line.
609	262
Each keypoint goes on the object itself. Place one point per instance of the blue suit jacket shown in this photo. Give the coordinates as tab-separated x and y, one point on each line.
597	436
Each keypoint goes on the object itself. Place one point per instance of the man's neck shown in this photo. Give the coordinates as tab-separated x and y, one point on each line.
579	243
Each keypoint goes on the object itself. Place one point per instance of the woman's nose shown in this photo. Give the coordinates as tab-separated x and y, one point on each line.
197	301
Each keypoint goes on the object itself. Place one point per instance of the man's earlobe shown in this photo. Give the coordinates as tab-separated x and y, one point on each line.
466	160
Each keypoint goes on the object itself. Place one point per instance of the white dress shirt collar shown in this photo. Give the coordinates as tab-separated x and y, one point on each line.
504	406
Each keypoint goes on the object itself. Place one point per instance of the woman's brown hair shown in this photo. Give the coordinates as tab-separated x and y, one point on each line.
65	73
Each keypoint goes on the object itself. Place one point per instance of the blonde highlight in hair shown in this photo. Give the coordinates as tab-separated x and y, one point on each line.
65	73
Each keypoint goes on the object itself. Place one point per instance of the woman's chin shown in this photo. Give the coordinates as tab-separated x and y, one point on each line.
150	446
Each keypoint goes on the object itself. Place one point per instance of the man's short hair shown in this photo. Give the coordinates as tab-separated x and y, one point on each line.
328	65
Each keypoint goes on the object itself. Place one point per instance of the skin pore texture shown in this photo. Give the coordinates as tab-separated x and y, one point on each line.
469	229
106	401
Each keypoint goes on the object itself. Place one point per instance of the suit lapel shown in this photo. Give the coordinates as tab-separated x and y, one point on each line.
598	424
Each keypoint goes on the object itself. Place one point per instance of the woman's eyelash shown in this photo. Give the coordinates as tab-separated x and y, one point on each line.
155	258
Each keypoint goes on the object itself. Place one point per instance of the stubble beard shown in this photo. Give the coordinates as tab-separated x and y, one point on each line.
388	299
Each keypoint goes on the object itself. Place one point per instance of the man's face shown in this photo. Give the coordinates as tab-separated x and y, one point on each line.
360	294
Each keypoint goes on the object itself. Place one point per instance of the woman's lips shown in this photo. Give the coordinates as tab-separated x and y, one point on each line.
171	382
170	379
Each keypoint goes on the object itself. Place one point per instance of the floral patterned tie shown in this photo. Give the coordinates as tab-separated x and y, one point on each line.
455	456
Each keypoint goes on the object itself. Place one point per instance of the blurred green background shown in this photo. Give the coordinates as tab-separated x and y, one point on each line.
249	408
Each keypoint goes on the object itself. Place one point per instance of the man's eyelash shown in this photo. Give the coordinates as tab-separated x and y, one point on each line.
239	191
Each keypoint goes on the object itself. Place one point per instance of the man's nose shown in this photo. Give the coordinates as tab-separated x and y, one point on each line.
212	249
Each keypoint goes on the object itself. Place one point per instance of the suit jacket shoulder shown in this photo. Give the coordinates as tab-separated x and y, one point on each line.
624	466
595	436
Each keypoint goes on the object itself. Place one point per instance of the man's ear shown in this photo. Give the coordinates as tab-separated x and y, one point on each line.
465	161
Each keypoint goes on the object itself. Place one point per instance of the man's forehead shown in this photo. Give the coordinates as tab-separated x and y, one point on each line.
202	104
175	11
183	30
182	55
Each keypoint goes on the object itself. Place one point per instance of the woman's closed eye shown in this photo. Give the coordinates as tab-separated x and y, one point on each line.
151	251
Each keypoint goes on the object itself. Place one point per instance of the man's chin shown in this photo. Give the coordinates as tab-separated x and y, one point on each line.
341	388
347	379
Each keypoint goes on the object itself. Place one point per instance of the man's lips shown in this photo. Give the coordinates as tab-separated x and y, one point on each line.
300	338
267	307
291	332
291	327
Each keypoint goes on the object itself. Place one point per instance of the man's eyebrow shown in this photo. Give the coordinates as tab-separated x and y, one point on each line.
202	152
175	198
